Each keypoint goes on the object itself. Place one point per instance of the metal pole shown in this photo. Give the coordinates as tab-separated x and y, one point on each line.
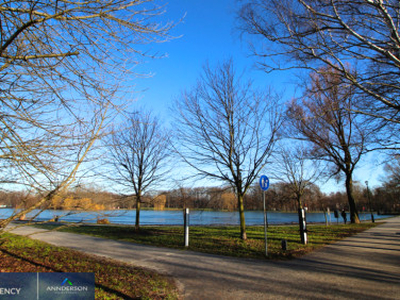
369	204
186	225
265	225
305	237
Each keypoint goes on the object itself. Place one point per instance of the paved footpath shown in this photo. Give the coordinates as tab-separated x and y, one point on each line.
365	266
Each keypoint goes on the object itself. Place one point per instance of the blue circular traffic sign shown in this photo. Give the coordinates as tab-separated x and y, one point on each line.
264	182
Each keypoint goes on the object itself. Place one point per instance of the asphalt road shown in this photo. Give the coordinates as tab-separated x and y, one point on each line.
365	266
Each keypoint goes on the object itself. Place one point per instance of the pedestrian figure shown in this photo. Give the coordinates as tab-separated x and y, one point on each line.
336	214
344	216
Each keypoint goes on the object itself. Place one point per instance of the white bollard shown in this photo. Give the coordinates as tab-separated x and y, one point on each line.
186	226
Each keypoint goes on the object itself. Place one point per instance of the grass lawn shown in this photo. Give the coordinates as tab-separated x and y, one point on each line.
225	240
113	280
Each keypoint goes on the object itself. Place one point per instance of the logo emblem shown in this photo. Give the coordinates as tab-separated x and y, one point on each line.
66	281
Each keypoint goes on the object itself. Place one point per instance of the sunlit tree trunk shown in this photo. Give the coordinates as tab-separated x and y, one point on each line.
352	205
137	221
243	234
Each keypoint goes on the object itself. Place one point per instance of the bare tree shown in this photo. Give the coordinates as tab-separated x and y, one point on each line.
385	198
310	34
139	150
324	117
226	130
392	169
294	167
44	178
62	70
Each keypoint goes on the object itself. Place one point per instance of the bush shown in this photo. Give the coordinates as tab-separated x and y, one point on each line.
103	221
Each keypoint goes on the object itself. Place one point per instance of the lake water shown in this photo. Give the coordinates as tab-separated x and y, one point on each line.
167	217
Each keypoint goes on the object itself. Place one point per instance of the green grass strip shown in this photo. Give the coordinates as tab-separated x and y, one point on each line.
113	280
225	240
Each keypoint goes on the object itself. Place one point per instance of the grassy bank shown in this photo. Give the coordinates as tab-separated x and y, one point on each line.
225	240
113	280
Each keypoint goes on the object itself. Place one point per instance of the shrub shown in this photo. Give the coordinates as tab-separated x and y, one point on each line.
103	221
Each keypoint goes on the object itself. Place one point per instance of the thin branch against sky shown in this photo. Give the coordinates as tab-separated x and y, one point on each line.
209	33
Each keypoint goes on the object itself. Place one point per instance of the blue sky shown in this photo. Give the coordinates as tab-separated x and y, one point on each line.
208	32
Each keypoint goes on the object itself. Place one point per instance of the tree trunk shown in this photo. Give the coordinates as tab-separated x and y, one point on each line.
243	234
137	223
352	205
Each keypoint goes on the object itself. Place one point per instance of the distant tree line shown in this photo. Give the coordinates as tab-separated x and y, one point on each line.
383	199
279	197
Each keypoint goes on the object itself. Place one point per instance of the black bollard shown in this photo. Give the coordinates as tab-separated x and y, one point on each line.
284	245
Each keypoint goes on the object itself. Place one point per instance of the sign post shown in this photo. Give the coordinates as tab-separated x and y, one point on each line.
264	184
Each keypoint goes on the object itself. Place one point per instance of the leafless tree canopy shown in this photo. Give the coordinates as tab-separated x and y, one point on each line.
358	39
294	167
138	151
324	117
62	65
226	131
